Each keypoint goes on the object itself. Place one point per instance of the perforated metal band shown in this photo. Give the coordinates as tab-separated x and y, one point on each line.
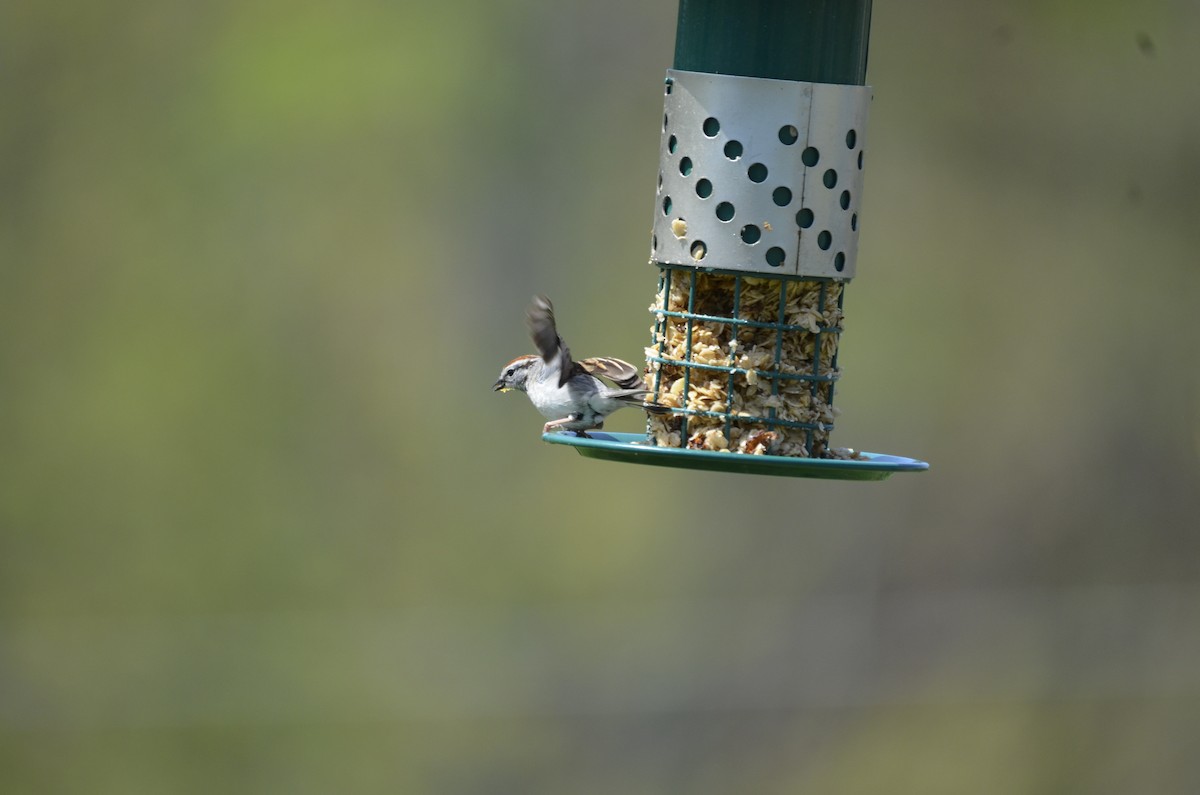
760	175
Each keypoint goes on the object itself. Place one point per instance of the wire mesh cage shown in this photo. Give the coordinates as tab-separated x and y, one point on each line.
747	363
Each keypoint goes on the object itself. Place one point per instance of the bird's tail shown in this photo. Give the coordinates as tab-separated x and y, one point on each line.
635	397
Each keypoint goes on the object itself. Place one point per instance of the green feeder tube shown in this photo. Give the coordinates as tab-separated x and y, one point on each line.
755	236
817	41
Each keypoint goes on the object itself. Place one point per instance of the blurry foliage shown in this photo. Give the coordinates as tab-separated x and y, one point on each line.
264	527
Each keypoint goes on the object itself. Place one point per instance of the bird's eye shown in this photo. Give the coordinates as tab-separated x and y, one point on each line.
511	370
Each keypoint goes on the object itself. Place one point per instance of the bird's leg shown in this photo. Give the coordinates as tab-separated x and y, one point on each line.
553	424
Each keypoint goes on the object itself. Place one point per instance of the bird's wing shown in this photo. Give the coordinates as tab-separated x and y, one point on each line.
623	374
550	346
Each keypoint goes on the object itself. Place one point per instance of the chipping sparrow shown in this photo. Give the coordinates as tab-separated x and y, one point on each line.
565	391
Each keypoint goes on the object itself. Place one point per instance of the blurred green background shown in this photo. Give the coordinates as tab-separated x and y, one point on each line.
265	528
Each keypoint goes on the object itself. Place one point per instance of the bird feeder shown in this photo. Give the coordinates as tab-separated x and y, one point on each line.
755	237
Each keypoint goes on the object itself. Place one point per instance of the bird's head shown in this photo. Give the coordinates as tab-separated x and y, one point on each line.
515	374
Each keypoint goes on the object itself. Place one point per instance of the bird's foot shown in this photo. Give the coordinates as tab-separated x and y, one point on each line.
554	425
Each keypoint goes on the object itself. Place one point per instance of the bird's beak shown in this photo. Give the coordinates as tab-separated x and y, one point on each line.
498	386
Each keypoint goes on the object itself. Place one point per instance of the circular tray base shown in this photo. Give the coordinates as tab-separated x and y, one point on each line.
633	448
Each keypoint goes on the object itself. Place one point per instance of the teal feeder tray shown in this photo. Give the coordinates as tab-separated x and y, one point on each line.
755	237
634	448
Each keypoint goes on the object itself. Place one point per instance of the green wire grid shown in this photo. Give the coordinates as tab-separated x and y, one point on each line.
774	375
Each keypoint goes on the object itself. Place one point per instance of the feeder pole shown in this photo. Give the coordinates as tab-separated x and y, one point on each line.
755	235
760	175
818	41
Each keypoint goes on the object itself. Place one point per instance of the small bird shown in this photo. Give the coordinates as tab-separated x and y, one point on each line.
569	393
